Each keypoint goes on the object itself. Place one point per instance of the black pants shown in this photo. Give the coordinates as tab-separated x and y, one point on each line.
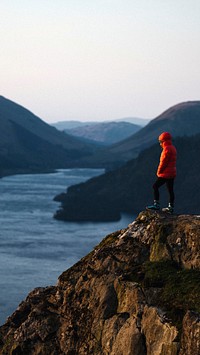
170	187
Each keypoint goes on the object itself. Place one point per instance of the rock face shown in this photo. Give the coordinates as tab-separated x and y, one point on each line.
137	293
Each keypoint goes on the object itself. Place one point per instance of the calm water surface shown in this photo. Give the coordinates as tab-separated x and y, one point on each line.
35	248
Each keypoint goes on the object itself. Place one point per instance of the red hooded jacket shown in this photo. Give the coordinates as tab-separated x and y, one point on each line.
167	166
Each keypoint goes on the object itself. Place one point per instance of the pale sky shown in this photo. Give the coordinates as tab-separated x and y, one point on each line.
99	59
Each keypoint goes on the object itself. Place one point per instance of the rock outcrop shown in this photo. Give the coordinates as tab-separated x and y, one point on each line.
137	292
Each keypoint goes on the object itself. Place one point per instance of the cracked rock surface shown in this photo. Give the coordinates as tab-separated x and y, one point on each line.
136	293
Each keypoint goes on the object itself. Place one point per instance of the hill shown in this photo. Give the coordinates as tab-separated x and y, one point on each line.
129	188
106	133
29	144
137	292
180	120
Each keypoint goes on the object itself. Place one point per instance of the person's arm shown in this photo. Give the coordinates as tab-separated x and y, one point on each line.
164	159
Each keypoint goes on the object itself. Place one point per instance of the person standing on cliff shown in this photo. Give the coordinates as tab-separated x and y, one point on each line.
166	173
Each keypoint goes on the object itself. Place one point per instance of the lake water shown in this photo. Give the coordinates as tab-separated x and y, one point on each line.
34	247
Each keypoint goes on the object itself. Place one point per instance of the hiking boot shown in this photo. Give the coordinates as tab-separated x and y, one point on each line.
169	209
155	206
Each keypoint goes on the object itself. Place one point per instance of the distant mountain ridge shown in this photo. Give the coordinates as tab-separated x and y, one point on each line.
65	125
106	133
28	144
70	124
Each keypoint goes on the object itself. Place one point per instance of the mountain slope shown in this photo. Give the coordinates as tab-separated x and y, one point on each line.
28	143
129	189
180	120
137	292
106	133
12	112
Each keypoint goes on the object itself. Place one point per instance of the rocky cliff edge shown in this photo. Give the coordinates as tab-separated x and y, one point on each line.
137	292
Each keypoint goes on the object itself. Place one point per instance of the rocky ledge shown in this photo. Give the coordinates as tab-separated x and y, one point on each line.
137	292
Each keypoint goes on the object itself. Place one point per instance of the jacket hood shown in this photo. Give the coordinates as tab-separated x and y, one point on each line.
165	136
